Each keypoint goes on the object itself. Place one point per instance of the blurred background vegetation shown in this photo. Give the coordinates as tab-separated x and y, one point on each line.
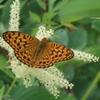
77	25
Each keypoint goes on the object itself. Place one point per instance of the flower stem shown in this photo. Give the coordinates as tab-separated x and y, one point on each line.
10	88
57	27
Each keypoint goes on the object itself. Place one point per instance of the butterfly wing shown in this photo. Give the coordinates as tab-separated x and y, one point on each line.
52	54
43	60
58	52
23	44
26	57
19	41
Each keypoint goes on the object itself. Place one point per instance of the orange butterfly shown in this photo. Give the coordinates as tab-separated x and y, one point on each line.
35	53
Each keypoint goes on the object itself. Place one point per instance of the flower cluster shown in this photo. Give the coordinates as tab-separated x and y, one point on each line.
42	32
86	57
14	16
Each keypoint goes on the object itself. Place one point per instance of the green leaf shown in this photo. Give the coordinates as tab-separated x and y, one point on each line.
51	4
3	60
34	17
41	4
27	28
1	1
69	72
78	38
6	12
62	36
96	25
2	92
35	93
1	6
79	9
48	15
47	18
22	3
60	4
49	22
2	28
9	73
34	31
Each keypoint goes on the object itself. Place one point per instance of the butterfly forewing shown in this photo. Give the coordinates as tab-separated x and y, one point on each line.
23	44
58	52
19	41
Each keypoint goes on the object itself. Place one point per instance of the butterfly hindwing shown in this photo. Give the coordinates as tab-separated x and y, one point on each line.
25	57
43	60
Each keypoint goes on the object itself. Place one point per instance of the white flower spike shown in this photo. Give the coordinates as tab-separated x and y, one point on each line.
86	57
14	16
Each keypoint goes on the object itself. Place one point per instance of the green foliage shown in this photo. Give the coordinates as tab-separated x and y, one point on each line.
62	16
34	17
33	92
78	9
2	92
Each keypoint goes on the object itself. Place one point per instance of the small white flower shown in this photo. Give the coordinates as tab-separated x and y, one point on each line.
14	16
42	32
86	57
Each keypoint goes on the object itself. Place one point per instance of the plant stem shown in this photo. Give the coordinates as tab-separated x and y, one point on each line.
10	88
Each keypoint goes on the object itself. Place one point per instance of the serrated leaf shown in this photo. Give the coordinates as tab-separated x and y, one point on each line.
1	92
34	17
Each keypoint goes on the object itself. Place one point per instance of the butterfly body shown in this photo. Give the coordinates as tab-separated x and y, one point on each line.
35	53
40	49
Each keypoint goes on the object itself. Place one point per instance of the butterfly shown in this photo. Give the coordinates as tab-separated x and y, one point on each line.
35	53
